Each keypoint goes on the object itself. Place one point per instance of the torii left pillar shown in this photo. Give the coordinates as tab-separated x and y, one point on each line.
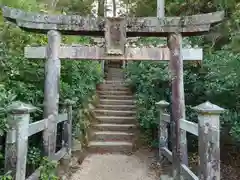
178	103
51	92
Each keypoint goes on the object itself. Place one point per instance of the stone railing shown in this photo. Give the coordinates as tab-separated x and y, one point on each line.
208	131
20	129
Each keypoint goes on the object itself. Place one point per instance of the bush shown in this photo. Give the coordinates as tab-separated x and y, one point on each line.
23	79
215	79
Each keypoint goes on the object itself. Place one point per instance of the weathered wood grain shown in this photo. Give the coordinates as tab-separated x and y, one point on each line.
67	129
189	126
11	148
39	126
176	69
185	125
167	153
160	8
62	117
96	53
192	128
146	31
51	91
17	147
18	14
101	40
22	144
188	25
163	130
209	151
186	172
183	141
56	157
115	36
166	117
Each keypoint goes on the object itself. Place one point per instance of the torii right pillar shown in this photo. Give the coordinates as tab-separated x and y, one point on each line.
179	141
176	66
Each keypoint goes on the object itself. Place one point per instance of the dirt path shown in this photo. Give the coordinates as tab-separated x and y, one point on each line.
117	166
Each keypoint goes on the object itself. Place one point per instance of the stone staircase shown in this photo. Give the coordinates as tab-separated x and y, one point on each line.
115	128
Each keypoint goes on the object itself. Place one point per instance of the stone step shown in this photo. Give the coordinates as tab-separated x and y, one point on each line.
116	101
107	96
118	107
118	73
115	74
111	87
115	127
115	78
111	136
110	147
113	92
114	82
113	69
100	112
116	119
118	84
114	65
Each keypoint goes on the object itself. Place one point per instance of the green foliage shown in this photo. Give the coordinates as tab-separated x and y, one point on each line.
149	80
6	97
34	157
80	7
6	176
48	170
231	124
216	80
23	79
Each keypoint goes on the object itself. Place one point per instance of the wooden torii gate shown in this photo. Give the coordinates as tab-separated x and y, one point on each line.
115	30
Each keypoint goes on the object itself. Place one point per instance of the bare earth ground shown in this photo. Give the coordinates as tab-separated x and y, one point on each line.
140	165
137	166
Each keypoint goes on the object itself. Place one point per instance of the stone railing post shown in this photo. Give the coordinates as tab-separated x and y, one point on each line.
163	131
17	139
102	66
209	140
67	129
123	64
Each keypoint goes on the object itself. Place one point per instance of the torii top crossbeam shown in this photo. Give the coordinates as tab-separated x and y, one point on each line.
90	25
